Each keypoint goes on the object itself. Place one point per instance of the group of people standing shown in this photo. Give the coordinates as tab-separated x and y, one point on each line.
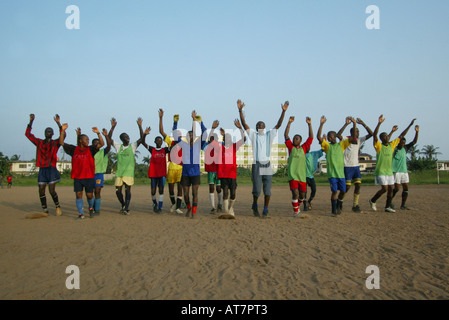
89	163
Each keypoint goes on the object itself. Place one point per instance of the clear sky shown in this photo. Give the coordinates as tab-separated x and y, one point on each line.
130	58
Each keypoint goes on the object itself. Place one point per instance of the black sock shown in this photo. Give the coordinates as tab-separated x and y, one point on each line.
55	198
43	202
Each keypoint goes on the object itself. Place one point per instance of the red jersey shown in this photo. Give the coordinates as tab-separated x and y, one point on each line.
227	166
46	153
158	162
83	163
9	178
211	158
306	145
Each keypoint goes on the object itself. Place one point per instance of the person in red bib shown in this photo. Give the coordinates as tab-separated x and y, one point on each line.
83	167
157	171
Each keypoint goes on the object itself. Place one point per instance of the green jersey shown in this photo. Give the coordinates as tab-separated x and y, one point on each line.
384	163
400	160
125	159
335	158
101	161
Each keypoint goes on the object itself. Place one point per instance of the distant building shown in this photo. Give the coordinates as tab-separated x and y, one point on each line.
443	165
29	167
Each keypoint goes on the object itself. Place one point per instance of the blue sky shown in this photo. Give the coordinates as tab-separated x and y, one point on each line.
130	58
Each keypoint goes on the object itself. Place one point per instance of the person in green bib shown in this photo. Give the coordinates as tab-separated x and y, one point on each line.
400	168
384	163
335	163
124	176
297	172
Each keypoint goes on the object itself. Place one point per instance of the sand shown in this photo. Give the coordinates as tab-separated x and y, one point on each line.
166	256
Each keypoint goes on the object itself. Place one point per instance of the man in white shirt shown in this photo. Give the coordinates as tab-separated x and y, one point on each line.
261	171
352	168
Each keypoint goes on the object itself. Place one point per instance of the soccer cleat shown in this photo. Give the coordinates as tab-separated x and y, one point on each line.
356	209
178	211
405	208
373	205
300	215
81	216
256	211
45	210
91	212
126	212
389	209
219	208
58	211
309	205
173	208
189	213
122	210
265	214
212	211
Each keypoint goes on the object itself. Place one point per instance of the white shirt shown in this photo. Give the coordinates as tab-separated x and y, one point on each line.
352	152
262	144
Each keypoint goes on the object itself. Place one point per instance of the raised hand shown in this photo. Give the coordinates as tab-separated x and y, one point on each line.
32	117
394	128
238	124
381	118
360	121
348	120
323	119
285	105
193	114
291	119
95	130
147	131
161	113
215	124
64	126
240	104
417	128
105	132
139	121
78	131
308	120
176	118
56	118
113	122
222	132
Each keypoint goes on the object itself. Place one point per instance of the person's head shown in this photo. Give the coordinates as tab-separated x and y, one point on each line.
260	125
227	139
48	133
124	138
356	134
95	142
213	137
158	141
297	139
402	143
384	137
83	140
332	137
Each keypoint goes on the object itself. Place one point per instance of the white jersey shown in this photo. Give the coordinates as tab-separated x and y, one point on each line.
352	153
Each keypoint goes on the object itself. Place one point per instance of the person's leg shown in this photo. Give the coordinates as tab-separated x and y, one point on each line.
54	196
79	203
334	195
119	194
171	192
377	196
161	192
42	197
295	203
389	198
312	193
266	182
257	187
355	204
194	199
404	196
127	198
225	191
211	192
186	190
219	196
232	195
179	198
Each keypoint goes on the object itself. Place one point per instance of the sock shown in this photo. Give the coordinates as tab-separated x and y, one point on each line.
120	198
356	200
265	209
79	205
188	205
127	200
178	202
43	202
295	205
97	204
154	199
226	205
395	191
220	197
231	206
334	206
254	206
195	206
55	198
161	200
90	202
339	203
172	199
212	199
404	197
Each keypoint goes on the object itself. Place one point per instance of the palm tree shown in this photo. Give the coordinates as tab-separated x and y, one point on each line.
146	160
15	157
430	151
413	151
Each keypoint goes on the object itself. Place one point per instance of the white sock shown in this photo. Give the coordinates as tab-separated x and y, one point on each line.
231	206
226	205
212	199
220	197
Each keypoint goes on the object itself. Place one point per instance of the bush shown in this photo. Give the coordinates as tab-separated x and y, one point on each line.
421	164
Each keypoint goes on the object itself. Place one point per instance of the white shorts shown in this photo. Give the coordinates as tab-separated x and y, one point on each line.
119	181
401	177
384	180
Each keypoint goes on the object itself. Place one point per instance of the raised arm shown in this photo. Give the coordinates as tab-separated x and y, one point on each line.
340	132
100	138
214	126
28	133
309	123
415	140
281	118
376	130
58	121
108	141
62	135
240	106
354	127
142	133
287	128
402	135
370	132
161	125
239	126
318	135
113	125
393	130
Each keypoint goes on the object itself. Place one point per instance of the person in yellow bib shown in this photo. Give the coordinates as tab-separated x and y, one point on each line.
384	163
335	160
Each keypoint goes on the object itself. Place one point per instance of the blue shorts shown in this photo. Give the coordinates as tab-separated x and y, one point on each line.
158	182
86	184
49	175
353	174
338	184
99	180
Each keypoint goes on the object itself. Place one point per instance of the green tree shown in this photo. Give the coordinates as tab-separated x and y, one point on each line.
413	151
430	151
5	165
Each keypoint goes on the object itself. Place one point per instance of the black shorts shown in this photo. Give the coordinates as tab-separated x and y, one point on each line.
188	181
229	183
86	184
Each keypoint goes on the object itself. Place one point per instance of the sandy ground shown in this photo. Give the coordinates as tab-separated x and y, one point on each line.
166	256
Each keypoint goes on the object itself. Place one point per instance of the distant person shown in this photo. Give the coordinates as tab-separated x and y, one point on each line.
335	163
297	165
384	164
83	167
401	177
174	170
352	167
261	172
9	179
126	163
46	157
211	159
